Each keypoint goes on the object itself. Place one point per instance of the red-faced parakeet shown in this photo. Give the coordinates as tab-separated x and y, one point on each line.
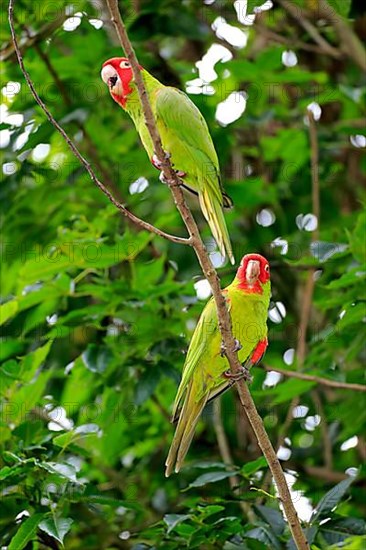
205	373
185	138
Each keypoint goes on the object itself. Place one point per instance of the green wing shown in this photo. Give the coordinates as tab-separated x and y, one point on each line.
176	113
179	113
206	327
186	137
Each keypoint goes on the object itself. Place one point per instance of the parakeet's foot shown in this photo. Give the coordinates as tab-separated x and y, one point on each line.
179	173
242	374
237	347
156	162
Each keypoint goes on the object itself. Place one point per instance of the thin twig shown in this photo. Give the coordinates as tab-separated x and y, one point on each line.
305	311
41	414
227	458
293	44
327	443
141	223
321	472
207	267
317	379
90	146
349	42
300	17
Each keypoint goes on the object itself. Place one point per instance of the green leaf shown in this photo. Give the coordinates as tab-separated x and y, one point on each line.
172	520
353	526
273	517
251	467
26	532
96	358
210	477
63	470
147	384
353	315
357	239
7	310
6	471
264	534
341	6
56	527
289	389
331	499
33	360
71	436
352	277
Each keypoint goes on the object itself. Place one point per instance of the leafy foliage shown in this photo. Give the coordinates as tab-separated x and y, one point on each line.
96	315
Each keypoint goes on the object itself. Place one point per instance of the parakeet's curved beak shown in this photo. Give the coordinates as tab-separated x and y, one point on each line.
111	78
252	271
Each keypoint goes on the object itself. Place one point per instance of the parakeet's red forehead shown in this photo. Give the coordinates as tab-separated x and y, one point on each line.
256	257
115	61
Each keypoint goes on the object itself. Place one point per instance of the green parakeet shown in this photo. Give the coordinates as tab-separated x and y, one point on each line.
185	138
205	373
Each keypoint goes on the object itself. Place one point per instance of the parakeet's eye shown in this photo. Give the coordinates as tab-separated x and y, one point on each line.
266	268
125	65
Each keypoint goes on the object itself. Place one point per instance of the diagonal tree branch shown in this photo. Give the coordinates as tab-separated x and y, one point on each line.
90	146
348	39
211	275
204	260
301	19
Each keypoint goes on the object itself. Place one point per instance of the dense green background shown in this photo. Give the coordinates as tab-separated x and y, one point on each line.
96	315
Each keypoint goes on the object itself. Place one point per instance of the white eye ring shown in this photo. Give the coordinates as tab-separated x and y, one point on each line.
125	65
267	268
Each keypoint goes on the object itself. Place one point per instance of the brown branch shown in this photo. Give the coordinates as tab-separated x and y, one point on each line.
141	223
361	448
290	42
317	379
47	30
162	409
227	458
327	443
300	17
211	275
321	472
349	42
41	414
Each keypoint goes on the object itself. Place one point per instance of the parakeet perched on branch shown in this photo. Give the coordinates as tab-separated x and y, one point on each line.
205	373
185	138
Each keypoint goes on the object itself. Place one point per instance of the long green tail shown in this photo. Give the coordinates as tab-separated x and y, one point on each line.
212	210
184	432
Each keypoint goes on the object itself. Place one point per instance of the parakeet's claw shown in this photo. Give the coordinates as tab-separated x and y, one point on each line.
156	162
162	178
222	349
242	374
179	173
237	347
